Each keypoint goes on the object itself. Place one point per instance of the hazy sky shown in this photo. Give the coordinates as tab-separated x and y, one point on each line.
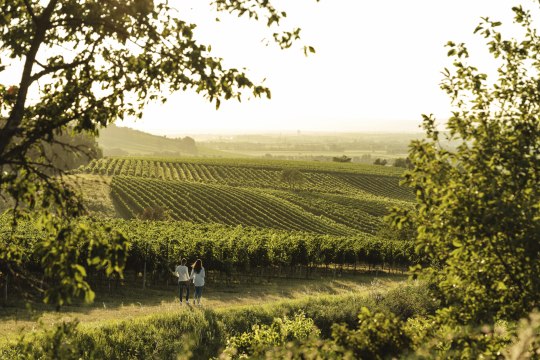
377	66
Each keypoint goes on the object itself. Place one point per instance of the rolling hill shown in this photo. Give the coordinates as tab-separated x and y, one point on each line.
333	198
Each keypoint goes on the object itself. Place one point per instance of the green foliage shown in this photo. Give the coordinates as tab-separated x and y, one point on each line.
58	344
343	159
261	337
409	300
381	162
63	251
224	249
377	336
443	337
154	213
403	163
478	212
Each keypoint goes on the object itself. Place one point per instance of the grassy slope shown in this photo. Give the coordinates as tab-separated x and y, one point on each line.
96	193
131	303
138	142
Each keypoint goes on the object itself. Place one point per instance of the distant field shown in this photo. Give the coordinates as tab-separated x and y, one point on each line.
111	165
301	153
323	177
334	198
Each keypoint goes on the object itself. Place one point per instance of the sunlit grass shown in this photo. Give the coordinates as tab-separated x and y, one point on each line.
128	303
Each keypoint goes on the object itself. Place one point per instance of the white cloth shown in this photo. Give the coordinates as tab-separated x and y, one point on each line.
182	272
198	279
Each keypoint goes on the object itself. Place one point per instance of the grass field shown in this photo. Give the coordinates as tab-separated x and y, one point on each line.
132	302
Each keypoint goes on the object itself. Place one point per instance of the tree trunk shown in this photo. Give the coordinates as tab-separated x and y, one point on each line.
144	275
6	290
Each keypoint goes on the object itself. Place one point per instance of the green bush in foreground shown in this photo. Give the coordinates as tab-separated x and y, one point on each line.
377	336
261	337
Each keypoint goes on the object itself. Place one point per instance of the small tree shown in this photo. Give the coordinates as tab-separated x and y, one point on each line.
82	65
403	163
154	213
478	207
292	177
343	158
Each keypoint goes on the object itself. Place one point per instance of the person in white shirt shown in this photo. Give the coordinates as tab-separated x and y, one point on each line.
182	273
197	275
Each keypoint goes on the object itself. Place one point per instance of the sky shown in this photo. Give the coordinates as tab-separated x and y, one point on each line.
377	66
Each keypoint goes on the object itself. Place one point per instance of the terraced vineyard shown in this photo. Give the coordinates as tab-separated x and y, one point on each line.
351	179
214	203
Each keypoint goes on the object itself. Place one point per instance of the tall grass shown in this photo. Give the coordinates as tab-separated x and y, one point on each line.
201	333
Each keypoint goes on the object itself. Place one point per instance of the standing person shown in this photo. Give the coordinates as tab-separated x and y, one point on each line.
197	274
182	273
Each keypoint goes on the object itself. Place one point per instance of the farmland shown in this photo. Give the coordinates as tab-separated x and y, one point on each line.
332	199
242	218
240	215
243	215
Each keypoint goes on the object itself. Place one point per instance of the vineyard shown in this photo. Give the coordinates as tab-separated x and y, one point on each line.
331	198
156	246
334	178
241	215
216	204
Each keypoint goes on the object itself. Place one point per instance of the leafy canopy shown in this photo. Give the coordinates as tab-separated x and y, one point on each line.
478	207
84	64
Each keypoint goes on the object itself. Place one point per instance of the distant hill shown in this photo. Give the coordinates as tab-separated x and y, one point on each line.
123	141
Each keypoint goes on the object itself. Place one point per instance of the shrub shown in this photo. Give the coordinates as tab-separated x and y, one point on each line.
261	337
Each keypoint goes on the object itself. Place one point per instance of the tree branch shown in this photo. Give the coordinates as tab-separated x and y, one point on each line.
31	11
15	117
52	69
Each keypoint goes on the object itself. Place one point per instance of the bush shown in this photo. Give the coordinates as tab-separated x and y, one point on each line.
378	336
281	331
